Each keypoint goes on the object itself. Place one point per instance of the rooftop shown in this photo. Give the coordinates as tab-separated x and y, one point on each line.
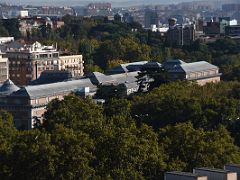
185	174
8	87
233	165
192	67
128	67
36	91
214	170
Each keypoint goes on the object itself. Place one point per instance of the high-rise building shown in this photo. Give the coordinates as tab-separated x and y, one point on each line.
180	34
150	18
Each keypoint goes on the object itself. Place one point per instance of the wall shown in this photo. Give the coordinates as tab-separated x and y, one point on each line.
208	80
234	168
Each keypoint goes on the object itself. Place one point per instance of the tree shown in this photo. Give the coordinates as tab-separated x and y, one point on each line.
72	112
108	91
187	147
152	77
118	107
115	62
12	26
126	152
33	156
8	134
74	154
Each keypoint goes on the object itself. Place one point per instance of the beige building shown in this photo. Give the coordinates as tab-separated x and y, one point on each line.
73	63
26	63
3	68
216	174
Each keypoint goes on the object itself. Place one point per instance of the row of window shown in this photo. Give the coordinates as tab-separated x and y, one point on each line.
44	56
203	74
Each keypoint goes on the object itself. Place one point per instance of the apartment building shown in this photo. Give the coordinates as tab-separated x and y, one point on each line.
26	63
178	35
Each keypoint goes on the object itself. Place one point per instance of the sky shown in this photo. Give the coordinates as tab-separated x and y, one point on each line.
84	2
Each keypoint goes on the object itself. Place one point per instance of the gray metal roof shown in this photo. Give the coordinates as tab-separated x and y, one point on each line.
99	78
169	64
185	174
125	77
193	67
54	88
153	64
128	67
8	87
214	170
44	90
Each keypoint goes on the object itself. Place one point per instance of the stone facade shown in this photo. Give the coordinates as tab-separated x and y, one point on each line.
73	63
28	62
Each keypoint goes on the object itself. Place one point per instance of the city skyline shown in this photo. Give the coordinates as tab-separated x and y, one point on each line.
116	3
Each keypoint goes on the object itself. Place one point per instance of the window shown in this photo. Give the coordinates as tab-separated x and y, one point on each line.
55	55
42	56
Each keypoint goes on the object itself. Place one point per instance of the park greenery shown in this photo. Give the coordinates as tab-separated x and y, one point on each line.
177	126
174	126
106	43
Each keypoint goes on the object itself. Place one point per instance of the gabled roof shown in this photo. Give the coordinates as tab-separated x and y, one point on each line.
53	89
192	67
99	78
37	91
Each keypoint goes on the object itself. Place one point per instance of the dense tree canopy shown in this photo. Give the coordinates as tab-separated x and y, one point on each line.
176	126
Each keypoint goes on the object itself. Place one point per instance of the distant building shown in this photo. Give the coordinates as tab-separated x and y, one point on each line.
27	25
178	35
183	176
72	63
4	40
216	174
212	28
4	68
26	63
100	6
232	30
50	11
224	21
23	13
99	9
150	18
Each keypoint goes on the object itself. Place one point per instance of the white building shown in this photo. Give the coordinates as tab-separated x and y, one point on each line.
73	63
6	39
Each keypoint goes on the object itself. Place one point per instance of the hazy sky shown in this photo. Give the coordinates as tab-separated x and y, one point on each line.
84	2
